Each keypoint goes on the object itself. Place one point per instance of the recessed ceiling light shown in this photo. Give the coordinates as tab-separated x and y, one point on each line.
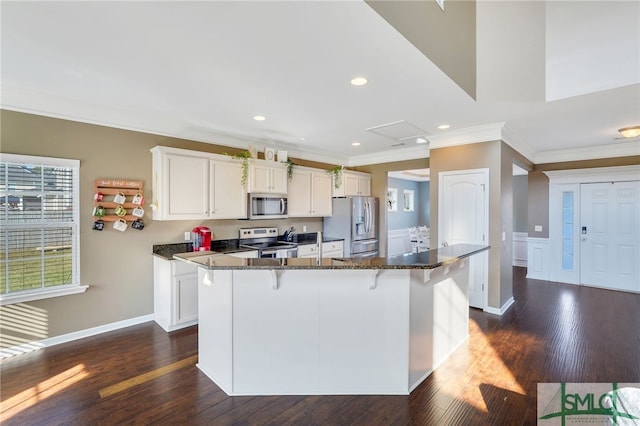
630	132
359	81
259	118
444	126
355	143
301	139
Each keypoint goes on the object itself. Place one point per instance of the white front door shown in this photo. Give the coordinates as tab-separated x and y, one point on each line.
609	235
462	218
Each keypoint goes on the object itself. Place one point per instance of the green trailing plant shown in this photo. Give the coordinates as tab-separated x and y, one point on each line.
290	166
336	172
244	157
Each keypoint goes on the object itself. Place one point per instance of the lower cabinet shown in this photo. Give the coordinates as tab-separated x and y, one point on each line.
329	249
175	294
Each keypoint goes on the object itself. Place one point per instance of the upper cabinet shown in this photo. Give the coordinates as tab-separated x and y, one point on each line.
196	185
309	193
352	184
228	197
267	177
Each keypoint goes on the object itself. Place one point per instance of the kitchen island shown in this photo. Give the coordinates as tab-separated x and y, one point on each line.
331	325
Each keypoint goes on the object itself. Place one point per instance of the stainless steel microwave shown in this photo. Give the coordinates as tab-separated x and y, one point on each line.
267	206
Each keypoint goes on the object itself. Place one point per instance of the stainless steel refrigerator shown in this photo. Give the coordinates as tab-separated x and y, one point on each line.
356	220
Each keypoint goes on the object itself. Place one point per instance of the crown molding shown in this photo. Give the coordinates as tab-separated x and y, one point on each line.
401	154
594	174
618	149
468	135
512	139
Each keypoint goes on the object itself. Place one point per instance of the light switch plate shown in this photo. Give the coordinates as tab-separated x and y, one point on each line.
538	228
187	236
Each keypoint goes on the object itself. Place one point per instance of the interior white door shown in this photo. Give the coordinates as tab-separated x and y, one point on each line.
609	235
462	218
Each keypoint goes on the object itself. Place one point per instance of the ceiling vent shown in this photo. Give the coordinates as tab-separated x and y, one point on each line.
398	130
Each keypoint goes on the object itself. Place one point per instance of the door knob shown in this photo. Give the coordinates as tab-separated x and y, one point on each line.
445	244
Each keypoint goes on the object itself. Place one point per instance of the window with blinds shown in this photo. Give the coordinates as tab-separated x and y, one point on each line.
39	240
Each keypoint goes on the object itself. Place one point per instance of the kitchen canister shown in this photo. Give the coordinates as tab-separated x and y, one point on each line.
120	225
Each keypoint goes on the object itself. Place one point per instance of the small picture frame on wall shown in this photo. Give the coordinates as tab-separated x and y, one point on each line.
282	156
270	154
392	199
408	200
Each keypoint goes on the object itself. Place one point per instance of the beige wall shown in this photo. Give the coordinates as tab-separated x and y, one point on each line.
498	157
117	266
447	38
539	187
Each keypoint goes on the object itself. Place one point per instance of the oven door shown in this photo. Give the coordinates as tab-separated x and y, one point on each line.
267	206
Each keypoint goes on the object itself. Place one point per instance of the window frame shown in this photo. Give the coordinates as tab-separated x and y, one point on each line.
61	289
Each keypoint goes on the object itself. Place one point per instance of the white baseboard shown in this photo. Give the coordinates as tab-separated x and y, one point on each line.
521	263
69	337
501	310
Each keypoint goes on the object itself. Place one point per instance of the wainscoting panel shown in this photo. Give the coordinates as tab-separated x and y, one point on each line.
520	249
538	258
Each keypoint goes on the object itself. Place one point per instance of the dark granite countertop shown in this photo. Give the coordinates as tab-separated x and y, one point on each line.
426	260
166	251
311	238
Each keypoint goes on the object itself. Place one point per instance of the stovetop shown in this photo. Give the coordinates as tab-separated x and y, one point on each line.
268	244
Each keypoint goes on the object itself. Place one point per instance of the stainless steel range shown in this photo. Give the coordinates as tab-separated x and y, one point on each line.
265	240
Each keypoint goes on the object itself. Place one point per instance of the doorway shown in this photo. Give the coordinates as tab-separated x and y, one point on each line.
609	235
407	209
463	217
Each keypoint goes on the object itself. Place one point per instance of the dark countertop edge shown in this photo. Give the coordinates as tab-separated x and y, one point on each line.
351	264
166	251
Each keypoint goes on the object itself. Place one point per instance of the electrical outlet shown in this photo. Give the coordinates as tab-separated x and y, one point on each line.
187	236
538	228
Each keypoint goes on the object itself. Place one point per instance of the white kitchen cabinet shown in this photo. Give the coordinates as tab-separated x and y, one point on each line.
309	193
228	195
307	250
175	294
329	249
353	184
267	177
196	185
333	249
180	185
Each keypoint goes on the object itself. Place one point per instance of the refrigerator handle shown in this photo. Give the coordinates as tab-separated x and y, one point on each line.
367	217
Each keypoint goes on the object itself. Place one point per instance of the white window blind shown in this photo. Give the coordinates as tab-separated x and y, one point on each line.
39	240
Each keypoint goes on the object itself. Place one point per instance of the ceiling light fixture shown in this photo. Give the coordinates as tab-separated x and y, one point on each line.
444	126
259	118
630	132
355	143
359	81
421	140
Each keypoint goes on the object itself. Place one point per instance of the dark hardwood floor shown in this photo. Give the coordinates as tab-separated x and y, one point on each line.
553	333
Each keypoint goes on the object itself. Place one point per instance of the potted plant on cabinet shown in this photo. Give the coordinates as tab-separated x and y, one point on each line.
336	172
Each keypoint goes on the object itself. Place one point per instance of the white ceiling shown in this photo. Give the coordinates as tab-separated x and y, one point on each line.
202	70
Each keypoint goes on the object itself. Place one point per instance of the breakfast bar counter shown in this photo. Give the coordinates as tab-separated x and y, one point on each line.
330	326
